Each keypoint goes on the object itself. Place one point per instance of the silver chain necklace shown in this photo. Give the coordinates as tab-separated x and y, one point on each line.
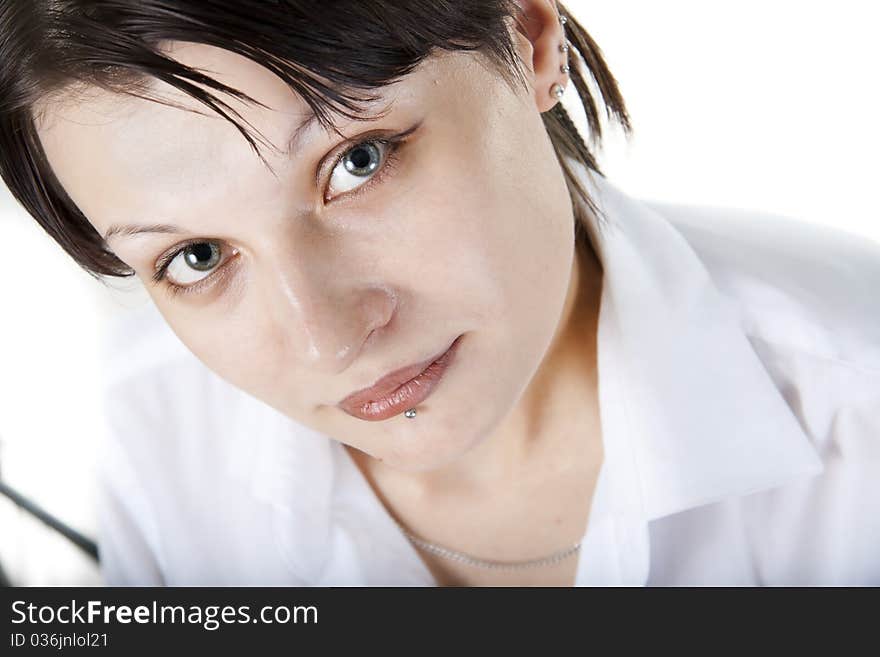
469	560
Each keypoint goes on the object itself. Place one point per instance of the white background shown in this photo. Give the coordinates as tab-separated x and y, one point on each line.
770	105
767	105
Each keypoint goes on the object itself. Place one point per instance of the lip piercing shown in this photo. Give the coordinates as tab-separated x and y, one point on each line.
410	412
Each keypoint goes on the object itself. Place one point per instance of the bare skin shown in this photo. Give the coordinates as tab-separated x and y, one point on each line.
537	505
324	283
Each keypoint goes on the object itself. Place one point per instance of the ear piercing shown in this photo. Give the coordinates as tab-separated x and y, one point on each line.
557	90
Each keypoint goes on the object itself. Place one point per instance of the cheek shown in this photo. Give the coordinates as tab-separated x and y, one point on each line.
495	248
456	237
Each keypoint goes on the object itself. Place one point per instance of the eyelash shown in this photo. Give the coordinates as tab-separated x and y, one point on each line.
389	166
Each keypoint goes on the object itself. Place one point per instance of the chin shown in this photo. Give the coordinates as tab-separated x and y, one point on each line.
441	444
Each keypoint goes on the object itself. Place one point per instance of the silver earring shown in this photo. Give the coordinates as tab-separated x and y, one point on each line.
557	90
410	412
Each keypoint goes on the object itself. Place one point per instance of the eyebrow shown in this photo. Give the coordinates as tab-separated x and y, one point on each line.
135	229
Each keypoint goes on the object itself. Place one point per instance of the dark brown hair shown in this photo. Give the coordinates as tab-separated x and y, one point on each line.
332	53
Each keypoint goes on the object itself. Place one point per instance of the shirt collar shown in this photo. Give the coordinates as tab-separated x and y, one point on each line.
689	414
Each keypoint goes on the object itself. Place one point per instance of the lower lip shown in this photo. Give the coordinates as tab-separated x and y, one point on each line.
409	394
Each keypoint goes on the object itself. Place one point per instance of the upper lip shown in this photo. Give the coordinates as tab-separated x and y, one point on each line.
390	382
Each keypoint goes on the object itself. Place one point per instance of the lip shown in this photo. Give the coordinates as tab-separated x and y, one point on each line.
401	389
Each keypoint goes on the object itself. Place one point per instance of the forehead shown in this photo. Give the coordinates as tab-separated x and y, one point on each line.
164	105
93	107
118	155
88	105
93	137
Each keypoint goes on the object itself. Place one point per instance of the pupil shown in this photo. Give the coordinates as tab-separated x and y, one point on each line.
361	158
198	253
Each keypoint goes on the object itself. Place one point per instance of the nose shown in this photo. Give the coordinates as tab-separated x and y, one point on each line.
323	314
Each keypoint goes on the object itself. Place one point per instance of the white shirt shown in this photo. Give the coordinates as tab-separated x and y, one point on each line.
739	390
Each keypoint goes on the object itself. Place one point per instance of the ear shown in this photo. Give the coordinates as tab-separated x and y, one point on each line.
540	37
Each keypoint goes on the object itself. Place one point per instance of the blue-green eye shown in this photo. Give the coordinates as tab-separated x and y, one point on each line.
193	263
357	166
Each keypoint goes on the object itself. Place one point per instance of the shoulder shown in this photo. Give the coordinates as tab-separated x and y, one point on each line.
186	456
798	286
172	416
138	342
807	299
186	453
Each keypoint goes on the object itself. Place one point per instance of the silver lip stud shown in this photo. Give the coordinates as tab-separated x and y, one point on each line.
557	90
411	412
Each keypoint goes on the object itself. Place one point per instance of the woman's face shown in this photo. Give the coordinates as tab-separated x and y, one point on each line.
315	281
